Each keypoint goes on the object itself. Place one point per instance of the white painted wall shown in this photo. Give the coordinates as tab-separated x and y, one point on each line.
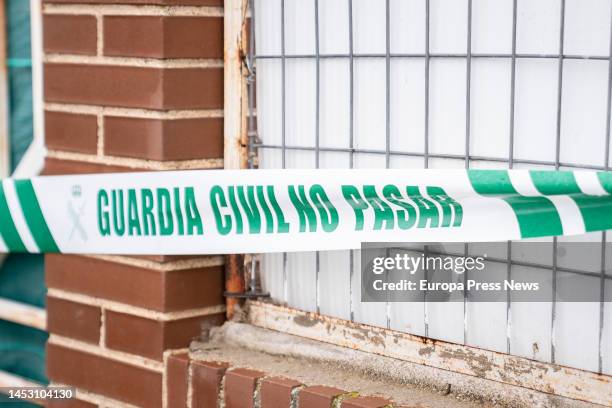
333	287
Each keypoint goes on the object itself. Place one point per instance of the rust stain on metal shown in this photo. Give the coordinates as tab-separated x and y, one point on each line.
234	282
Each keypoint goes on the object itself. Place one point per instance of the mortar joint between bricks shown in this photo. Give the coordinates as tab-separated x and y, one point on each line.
133	10
189	396
257	393
295	392
221	395
337	401
102	340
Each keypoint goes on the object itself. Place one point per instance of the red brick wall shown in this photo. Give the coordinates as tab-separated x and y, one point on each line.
210	384
130	85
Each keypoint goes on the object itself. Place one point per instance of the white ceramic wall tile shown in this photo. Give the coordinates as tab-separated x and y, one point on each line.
448	26
334	26
492	335
301	103
270	159
531	322
490	108
334	160
369	27
407	18
269	100
300	36
583	113
335	284
492	16
606	340
268	27
407	95
447	106
272	277
370	115
535	121
587	27
301	280
373	313
537	28
335	103
577	323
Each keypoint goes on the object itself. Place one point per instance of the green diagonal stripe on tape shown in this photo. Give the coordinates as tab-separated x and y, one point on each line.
605	179
596	211
8	231
34	216
536	216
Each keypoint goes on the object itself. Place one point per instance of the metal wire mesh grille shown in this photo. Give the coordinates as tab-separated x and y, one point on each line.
276	151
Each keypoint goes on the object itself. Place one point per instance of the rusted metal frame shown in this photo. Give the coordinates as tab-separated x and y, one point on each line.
235	107
542	377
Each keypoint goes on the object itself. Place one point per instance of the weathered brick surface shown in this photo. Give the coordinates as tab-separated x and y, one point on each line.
318	396
150	338
75	320
154	139
163	36
240	387
117	380
71	132
275	392
206	383
134	87
176	380
69	34
152	289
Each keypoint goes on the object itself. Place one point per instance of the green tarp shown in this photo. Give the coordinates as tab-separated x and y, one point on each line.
22	349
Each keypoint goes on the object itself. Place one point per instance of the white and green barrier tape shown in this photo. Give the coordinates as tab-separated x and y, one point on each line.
249	211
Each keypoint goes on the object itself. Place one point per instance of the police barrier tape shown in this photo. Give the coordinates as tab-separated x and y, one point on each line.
249	211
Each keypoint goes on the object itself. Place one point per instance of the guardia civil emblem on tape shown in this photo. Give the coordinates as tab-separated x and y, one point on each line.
237	211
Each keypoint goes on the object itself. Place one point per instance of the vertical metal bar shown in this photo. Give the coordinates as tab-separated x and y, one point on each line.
317	141
468	113
283	80
602	282
351	144
511	165
557	160
284	130
426	148
388	83
426	82
468	81
388	118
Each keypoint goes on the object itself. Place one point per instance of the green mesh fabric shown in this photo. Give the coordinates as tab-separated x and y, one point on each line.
9	403
19	77
22	349
22	278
